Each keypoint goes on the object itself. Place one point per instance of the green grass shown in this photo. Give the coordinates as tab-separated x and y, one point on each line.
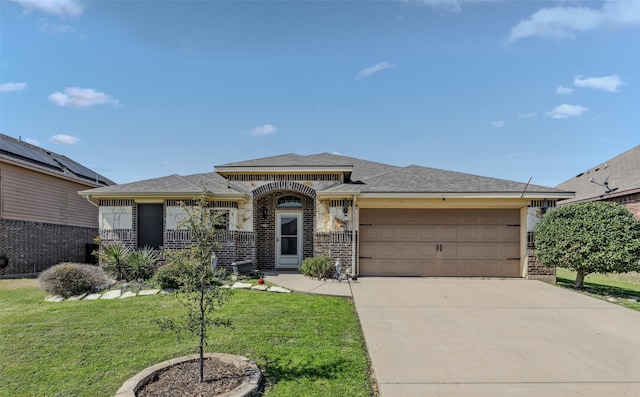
305	345
620	286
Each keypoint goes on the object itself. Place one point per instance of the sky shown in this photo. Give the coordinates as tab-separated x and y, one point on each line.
142	89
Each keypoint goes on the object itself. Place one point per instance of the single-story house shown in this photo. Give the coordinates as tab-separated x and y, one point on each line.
43	221
617	179
378	219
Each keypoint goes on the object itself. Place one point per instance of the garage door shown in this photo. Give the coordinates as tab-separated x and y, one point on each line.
440	243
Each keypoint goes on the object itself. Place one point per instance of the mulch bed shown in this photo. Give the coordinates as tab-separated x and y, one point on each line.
181	380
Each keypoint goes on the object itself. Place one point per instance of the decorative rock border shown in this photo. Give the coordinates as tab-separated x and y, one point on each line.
249	387
118	294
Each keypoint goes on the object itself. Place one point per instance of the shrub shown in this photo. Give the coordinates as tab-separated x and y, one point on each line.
141	264
69	279
170	275
319	266
114	260
589	237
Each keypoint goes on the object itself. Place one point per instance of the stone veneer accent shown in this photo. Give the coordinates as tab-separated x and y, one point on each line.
32	247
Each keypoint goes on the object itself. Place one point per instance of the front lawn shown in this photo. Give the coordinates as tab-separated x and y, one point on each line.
620	286
305	345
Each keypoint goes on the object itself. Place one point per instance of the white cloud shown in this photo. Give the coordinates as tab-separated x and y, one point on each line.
8	87
564	22
63	139
61	8
336	153
81	98
565	111
54	28
33	141
527	115
366	72
564	90
498	124
450	5
261	130
605	83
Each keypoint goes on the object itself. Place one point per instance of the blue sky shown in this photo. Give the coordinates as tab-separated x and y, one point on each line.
507	89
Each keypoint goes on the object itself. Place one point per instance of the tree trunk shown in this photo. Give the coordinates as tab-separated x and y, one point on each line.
202	333
579	284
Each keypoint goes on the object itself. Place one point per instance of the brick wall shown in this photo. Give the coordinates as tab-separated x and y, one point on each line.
233	245
335	245
535	268
32	247
265	228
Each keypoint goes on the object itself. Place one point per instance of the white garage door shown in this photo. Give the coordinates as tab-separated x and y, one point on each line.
435	243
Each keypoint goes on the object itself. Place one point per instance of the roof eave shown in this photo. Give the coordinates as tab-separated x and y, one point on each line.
467	195
43	170
170	195
225	170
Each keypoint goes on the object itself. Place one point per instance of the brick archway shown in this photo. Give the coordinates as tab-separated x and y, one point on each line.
265	202
284	186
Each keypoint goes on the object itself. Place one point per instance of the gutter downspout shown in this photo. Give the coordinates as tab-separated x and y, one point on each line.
354	229
89	200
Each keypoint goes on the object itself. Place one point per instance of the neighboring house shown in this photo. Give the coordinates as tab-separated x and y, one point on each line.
617	179
378	219
43	221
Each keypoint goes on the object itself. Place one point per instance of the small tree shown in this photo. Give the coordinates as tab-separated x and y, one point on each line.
200	290
589	237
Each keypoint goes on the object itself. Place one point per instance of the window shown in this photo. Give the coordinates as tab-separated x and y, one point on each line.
222	219
289	202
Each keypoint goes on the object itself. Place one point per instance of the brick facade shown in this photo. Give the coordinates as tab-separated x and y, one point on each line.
32	247
336	245
265	228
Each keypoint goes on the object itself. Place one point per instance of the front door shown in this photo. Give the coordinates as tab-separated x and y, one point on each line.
288	240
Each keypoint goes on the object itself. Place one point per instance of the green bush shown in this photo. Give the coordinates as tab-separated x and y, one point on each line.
68	279
114	260
141	264
319	266
170	275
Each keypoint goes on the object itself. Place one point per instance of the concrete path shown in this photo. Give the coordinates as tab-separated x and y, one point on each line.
295	281
466	337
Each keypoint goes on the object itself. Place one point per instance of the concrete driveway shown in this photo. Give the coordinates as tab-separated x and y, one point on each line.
466	337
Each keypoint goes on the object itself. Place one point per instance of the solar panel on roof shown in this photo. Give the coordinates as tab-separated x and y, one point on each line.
28	152
78	169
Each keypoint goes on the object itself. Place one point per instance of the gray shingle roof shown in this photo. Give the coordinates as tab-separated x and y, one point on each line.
622	174
367	177
361	168
26	154
175	184
417	179
286	160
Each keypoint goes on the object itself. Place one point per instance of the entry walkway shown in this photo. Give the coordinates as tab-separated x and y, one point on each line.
296	281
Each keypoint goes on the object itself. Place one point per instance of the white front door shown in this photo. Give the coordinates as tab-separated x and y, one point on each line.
288	240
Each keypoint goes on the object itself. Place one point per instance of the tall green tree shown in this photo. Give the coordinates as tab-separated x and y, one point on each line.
201	289
589	237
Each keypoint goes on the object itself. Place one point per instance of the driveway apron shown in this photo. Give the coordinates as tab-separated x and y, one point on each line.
471	337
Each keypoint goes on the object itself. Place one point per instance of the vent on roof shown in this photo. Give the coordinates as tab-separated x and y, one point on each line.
579	175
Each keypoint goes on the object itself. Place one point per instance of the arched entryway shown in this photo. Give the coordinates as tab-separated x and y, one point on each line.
284	223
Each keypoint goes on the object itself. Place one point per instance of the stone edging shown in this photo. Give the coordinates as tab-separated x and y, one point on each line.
118	294
249	386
